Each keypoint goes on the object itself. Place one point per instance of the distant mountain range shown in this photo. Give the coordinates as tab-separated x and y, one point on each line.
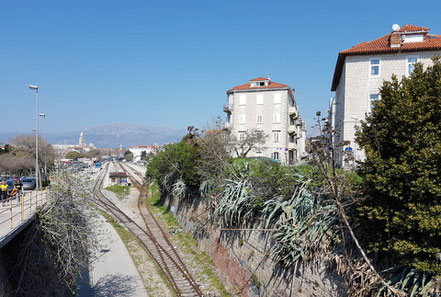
113	135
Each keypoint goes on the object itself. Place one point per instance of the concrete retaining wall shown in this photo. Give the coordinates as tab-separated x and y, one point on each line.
244	258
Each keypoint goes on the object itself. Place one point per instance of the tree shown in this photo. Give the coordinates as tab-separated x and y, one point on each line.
401	213
176	161
247	141
143	155
58	248
128	157
19	158
73	155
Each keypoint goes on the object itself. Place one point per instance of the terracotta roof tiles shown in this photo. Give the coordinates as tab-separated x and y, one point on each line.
259	79
412	28
271	85
382	45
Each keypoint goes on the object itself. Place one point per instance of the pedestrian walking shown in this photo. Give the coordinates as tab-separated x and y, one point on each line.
3	192
16	191
19	187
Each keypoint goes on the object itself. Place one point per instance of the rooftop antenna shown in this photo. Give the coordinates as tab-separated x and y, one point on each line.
395	27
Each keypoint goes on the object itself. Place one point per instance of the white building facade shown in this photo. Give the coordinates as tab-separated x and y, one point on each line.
138	149
361	70
269	108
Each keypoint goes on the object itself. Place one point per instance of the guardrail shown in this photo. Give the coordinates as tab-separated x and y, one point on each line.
28	201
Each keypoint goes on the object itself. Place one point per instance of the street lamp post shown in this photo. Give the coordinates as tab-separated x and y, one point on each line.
35	88
43	115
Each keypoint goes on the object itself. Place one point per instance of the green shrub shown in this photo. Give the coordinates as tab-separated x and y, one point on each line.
401	215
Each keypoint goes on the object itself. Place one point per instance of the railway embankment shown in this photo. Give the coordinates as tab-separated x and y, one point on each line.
244	256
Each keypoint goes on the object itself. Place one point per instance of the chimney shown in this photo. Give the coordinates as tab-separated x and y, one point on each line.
395	39
269	77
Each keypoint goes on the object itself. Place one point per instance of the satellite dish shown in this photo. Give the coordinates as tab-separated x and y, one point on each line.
395	27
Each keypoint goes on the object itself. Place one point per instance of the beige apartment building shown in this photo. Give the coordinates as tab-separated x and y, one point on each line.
268	107
361	70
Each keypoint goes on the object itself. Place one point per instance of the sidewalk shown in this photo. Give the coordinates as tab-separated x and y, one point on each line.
112	271
9	228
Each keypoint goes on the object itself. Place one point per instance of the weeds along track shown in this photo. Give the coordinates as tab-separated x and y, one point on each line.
152	237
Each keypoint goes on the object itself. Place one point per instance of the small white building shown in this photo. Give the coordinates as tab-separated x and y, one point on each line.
361	70
138	149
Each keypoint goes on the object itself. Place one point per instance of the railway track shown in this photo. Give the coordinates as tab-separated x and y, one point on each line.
153	238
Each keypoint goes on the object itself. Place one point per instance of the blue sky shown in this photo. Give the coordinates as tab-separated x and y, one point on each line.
169	63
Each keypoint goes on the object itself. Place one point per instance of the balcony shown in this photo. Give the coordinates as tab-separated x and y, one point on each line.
292	129
228	125
292	111
228	108
291	145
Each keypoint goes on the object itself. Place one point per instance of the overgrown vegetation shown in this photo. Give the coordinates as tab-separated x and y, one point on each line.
379	229
58	247
74	155
401	210
120	191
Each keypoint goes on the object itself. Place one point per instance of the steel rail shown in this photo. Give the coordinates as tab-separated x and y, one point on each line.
141	188
105	203
149	242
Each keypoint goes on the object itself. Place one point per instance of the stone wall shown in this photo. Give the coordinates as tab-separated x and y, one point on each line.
244	258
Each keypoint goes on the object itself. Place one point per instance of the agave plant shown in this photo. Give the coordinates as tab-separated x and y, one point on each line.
304	226
414	282
180	189
205	188
168	181
237	206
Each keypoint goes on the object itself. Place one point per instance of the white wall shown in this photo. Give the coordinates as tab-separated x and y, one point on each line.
355	86
251	109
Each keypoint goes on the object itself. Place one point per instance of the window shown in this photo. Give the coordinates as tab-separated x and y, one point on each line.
259	118
276	136
375	67
277	118
242	119
277	98
413	38
242	100
372	99
259	99
411	64
275	156
292	120
241	135
292	138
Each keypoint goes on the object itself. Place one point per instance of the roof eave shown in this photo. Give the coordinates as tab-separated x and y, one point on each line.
257	89
338	71
342	56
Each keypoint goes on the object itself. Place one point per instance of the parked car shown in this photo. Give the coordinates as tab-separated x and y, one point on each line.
29	183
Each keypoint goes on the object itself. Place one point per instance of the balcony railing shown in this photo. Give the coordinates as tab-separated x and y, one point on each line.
292	129
292	111
228	108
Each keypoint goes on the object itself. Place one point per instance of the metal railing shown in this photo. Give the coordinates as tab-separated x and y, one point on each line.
28	202
228	107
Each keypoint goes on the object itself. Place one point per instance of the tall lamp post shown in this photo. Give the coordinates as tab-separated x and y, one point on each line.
43	115
35	88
